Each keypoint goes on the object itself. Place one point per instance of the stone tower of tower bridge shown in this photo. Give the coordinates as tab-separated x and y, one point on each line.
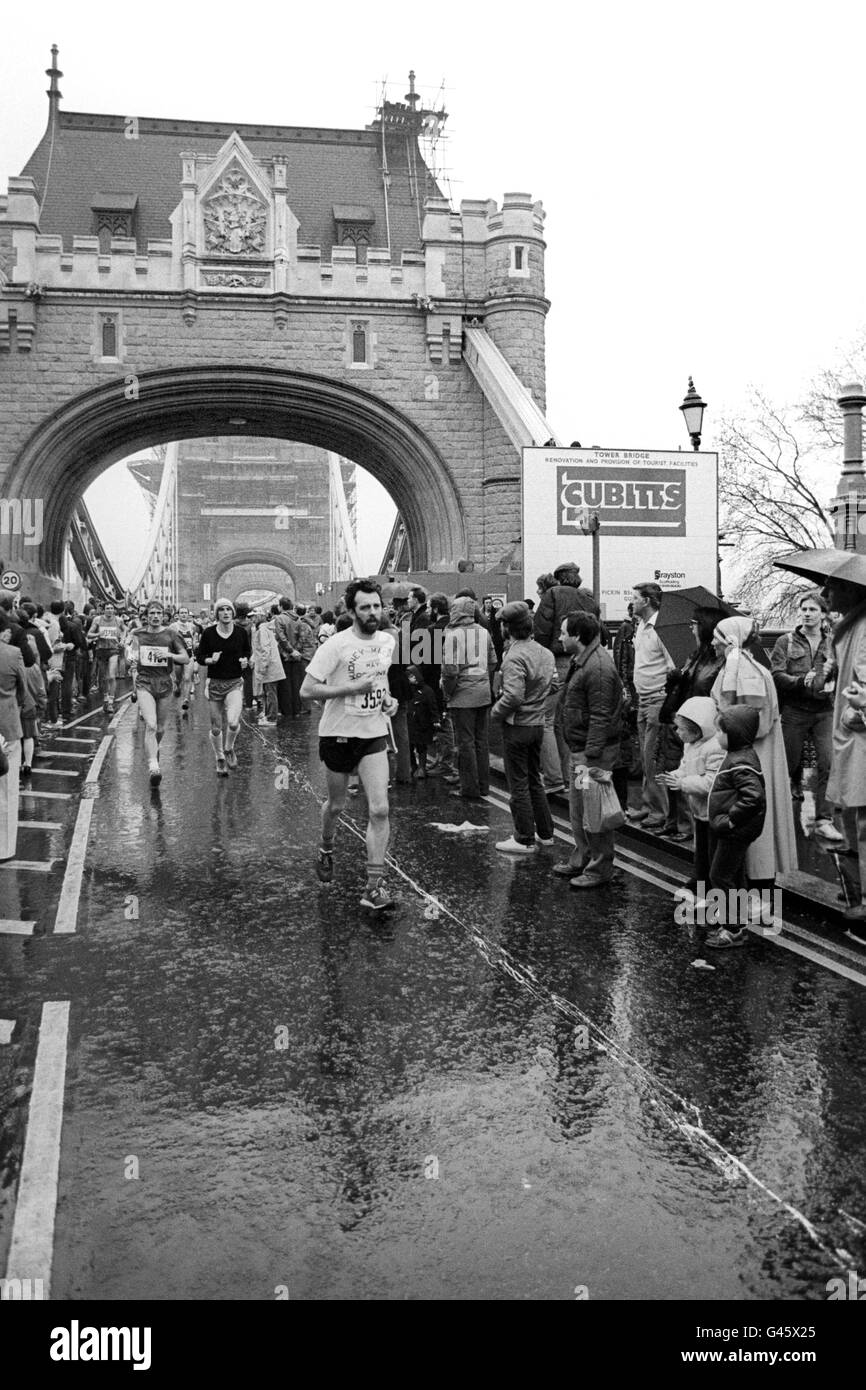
169	280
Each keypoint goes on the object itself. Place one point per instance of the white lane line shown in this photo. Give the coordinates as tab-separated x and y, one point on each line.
67	908
7	1028
79	742
66	920
46	796
33	866
88	728
32	1246
11	926
63	753
40	825
778	938
54	772
836	966
96	766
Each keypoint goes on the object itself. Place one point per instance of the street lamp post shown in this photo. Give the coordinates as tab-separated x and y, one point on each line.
693	413
590	525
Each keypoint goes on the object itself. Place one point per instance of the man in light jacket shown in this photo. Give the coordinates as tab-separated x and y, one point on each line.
527	675
468	658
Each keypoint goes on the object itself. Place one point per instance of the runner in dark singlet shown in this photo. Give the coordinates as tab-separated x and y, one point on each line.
225	651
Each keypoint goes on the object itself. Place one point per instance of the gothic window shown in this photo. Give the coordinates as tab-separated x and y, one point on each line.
108	337
359	344
359	237
113	216
519	261
354	226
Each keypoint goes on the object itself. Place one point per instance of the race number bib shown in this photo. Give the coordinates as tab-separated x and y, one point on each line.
152	656
368	703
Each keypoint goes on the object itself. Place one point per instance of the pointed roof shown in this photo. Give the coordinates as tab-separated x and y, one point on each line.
92	156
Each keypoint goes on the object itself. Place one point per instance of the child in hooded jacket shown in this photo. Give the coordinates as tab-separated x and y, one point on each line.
737	807
703	755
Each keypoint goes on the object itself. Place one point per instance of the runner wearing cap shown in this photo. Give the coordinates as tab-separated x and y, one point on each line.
153	651
225	650
349	672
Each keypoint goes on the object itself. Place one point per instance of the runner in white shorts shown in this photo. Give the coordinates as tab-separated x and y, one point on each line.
349	672
225	651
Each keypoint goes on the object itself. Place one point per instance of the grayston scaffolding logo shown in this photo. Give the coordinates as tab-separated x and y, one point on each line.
22	516
76	1343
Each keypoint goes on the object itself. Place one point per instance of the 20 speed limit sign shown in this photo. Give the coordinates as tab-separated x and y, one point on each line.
10	579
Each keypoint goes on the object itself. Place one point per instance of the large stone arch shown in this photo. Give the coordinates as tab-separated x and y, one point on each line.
97	428
253	556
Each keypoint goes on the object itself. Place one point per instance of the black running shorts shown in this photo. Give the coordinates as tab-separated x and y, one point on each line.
344	754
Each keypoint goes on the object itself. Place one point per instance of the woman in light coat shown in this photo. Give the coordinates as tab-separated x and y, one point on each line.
13	694
267	666
847	784
742	681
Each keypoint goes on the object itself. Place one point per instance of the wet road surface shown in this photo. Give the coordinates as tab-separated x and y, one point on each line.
516	1094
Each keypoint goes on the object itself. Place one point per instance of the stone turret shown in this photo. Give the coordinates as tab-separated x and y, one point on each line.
515	306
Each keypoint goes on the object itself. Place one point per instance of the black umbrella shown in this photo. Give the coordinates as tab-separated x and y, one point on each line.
820	565
673	623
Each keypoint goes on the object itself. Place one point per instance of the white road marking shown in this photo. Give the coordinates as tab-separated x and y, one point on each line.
46	796
40	825
7	1028
34	866
96	766
53	772
11	926
31	1249
66	919
67	908
63	753
80	742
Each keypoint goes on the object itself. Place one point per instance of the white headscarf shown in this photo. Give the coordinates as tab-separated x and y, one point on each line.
741	674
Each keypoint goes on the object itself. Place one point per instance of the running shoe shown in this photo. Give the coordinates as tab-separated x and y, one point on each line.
231	758
722	939
222	770
377	898
827	830
325	865
513	846
155	775
26	770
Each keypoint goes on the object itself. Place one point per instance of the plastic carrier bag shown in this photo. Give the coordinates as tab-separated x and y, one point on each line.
601	808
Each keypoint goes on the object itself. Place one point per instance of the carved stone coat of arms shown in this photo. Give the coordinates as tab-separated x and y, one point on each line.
234	218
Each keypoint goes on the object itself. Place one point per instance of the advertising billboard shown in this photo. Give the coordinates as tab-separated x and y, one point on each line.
658	515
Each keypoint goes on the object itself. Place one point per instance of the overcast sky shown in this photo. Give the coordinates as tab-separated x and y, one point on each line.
699	164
